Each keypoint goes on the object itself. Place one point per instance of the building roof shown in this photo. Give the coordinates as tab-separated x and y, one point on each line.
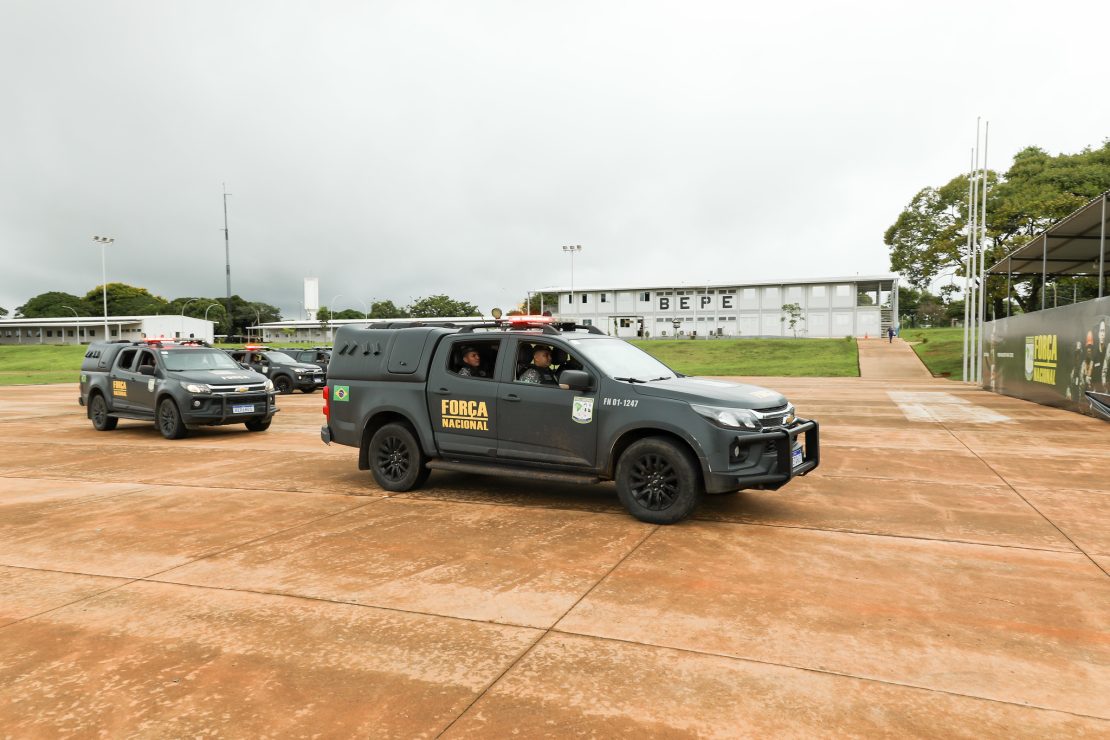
1068	247
93	320
884	277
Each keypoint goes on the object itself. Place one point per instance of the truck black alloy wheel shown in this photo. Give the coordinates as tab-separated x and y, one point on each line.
396	459
169	420
98	412
283	384
258	425
657	481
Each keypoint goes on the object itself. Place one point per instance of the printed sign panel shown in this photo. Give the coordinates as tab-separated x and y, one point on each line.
1052	357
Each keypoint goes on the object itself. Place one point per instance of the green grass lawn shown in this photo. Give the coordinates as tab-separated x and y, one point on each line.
783	357
51	363
940	349
41	363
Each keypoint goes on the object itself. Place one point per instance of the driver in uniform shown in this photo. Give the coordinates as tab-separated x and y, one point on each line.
539	372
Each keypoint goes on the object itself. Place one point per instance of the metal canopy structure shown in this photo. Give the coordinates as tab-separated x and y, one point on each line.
1074	245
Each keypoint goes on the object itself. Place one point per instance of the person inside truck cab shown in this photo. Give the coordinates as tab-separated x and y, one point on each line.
539	372
471	365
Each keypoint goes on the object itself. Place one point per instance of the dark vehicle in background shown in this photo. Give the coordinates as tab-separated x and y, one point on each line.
408	399
318	356
286	373
173	384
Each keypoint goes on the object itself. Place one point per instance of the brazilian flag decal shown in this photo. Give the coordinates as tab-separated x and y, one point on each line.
341	393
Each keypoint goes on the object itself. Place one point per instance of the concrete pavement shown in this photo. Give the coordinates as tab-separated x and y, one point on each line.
942	574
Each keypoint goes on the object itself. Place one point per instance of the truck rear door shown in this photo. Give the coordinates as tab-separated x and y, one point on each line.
462	399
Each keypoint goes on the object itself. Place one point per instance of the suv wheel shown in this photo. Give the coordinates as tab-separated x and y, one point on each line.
308	390
283	384
169	420
98	412
258	425
657	481
396	459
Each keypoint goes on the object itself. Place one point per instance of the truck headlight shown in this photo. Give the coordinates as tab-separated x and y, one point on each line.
269	384
727	417
198	388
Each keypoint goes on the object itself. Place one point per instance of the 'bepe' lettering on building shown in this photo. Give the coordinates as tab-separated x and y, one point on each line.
459	414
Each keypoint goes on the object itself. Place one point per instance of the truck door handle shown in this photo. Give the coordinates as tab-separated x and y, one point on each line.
443	392
512	397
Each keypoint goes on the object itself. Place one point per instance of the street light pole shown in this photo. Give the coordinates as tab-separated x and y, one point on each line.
572	249
76	325
103	241
331	317
209	308
183	315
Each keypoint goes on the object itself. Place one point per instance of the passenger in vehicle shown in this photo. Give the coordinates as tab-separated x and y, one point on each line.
471	363
539	372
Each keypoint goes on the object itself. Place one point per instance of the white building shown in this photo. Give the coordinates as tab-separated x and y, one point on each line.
85	329
830	307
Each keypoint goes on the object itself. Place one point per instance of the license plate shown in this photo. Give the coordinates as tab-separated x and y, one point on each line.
796	457
247	409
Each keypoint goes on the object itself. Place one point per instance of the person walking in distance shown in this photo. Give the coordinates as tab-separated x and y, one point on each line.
890	333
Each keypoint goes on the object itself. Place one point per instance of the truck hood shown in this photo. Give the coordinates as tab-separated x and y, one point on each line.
220	377
713	392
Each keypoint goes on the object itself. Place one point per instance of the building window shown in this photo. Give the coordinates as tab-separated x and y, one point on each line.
646	296
584	297
818	291
587	322
604	298
49	332
570	298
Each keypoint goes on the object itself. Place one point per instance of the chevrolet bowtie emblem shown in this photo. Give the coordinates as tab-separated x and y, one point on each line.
241	389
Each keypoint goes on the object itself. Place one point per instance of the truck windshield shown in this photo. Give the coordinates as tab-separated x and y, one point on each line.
620	360
199	359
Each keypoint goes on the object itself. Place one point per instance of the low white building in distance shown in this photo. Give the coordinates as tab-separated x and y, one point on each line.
864	305
86	329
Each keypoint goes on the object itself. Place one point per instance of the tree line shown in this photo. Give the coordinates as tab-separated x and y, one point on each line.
928	240
129	300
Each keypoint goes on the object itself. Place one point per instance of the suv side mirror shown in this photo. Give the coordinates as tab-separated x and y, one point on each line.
575	380
146	370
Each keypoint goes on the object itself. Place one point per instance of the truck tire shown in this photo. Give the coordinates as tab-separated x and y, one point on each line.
169	420
98	413
308	390
396	458
283	384
658	481
258	425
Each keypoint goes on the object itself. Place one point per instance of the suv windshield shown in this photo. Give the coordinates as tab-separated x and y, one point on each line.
620	360
279	357
198	359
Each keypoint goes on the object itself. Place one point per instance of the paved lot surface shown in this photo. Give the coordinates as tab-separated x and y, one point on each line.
944	573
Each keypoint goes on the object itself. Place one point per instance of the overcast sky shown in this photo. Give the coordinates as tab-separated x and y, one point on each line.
402	149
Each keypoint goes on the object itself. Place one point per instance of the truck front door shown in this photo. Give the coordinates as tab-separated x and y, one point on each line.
542	422
121	378
140	388
462	395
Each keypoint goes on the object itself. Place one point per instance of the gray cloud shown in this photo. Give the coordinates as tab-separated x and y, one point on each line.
410	148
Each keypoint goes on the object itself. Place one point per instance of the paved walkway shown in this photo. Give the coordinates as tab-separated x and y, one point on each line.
882	359
944	573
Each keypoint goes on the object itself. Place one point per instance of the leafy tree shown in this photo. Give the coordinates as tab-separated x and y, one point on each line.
3	312
441	305
51	304
791	316
349	313
929	237
127	300
386	310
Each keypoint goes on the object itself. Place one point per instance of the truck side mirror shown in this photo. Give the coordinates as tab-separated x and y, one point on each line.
575	380
146	370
